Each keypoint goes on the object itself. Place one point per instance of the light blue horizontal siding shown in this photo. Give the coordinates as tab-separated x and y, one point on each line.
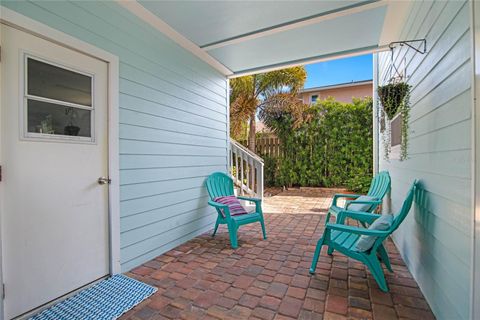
435	239
173	129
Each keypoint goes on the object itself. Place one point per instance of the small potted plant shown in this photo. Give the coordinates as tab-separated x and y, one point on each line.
71	129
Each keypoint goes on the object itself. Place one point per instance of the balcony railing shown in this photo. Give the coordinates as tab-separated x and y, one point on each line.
246	169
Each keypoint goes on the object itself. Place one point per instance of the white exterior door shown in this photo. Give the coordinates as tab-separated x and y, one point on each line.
54	149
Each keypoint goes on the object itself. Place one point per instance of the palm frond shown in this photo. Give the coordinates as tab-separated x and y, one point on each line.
288	80
282	105
268	92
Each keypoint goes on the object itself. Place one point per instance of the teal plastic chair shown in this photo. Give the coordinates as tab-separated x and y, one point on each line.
343	238
379	187
219	185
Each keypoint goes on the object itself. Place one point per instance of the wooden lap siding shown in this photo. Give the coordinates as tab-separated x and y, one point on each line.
435	240
173	129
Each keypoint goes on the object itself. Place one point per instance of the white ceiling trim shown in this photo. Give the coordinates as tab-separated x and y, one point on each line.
394	21
327	57
147	16
297	24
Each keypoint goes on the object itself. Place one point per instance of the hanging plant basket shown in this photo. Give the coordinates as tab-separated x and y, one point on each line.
391	97
395	98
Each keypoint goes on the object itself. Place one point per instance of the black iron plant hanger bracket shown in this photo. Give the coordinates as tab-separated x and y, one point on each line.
422	49
423	46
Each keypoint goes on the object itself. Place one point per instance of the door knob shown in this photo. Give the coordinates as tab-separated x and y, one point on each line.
104	180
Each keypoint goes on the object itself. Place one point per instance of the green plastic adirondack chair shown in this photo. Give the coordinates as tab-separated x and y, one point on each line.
219	185
379	187
343	238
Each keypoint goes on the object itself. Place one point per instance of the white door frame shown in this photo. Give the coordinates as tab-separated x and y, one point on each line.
41	30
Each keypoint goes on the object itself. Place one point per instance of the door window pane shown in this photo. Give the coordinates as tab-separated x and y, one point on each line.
55	119
49	81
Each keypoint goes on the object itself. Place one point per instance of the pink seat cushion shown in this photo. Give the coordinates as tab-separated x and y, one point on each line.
233	204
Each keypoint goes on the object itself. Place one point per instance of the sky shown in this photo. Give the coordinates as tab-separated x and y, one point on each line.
339	71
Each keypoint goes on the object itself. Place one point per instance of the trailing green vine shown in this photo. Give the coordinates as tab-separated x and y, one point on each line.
395	98
405	112
386	135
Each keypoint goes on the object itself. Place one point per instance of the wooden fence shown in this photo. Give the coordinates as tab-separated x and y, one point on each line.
267	145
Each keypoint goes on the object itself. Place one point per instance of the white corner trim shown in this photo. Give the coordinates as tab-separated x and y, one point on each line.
227	100
397	12
43	31
297	24
376	131
475	202
150	18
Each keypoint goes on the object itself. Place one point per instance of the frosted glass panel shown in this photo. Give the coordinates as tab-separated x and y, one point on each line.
54	119
49	81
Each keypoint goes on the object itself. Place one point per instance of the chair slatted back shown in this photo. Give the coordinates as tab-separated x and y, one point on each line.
407	204
399	216
380	185
219	184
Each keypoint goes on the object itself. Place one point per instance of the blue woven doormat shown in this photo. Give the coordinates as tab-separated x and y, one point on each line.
106	300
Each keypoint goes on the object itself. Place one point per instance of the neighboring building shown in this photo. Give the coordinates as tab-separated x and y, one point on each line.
343	92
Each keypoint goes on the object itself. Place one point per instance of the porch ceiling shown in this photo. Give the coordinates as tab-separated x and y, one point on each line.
251	36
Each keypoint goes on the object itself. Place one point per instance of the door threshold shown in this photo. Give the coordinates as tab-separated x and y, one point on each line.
49	304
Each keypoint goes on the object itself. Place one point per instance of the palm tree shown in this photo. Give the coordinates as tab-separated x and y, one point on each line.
249	94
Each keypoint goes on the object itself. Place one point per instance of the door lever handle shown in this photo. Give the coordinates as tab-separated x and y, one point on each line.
104	180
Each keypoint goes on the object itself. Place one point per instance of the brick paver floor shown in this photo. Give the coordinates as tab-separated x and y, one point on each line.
268	279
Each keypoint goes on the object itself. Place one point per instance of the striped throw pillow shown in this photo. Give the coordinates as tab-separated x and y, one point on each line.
233	204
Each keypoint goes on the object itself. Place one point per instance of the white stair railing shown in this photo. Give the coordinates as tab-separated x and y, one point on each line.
246	169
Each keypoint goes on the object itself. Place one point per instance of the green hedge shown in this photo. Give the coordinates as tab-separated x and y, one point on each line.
331	147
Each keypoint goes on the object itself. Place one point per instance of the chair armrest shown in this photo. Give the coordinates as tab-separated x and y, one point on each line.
366	217
372	202
356	230
220	206
343	195
258	202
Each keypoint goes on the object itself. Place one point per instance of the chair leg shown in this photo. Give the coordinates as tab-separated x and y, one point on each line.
327	219
232	231
263	229
376	269
384	257
215	229
318	249
330	250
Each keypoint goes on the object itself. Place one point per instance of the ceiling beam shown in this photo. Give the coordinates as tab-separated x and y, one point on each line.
300	23
301	62
147	16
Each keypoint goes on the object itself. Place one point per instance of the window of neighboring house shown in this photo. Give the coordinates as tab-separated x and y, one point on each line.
314	98
396	130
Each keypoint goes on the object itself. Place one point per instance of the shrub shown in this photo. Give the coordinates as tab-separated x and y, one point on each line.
270	168
331	146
